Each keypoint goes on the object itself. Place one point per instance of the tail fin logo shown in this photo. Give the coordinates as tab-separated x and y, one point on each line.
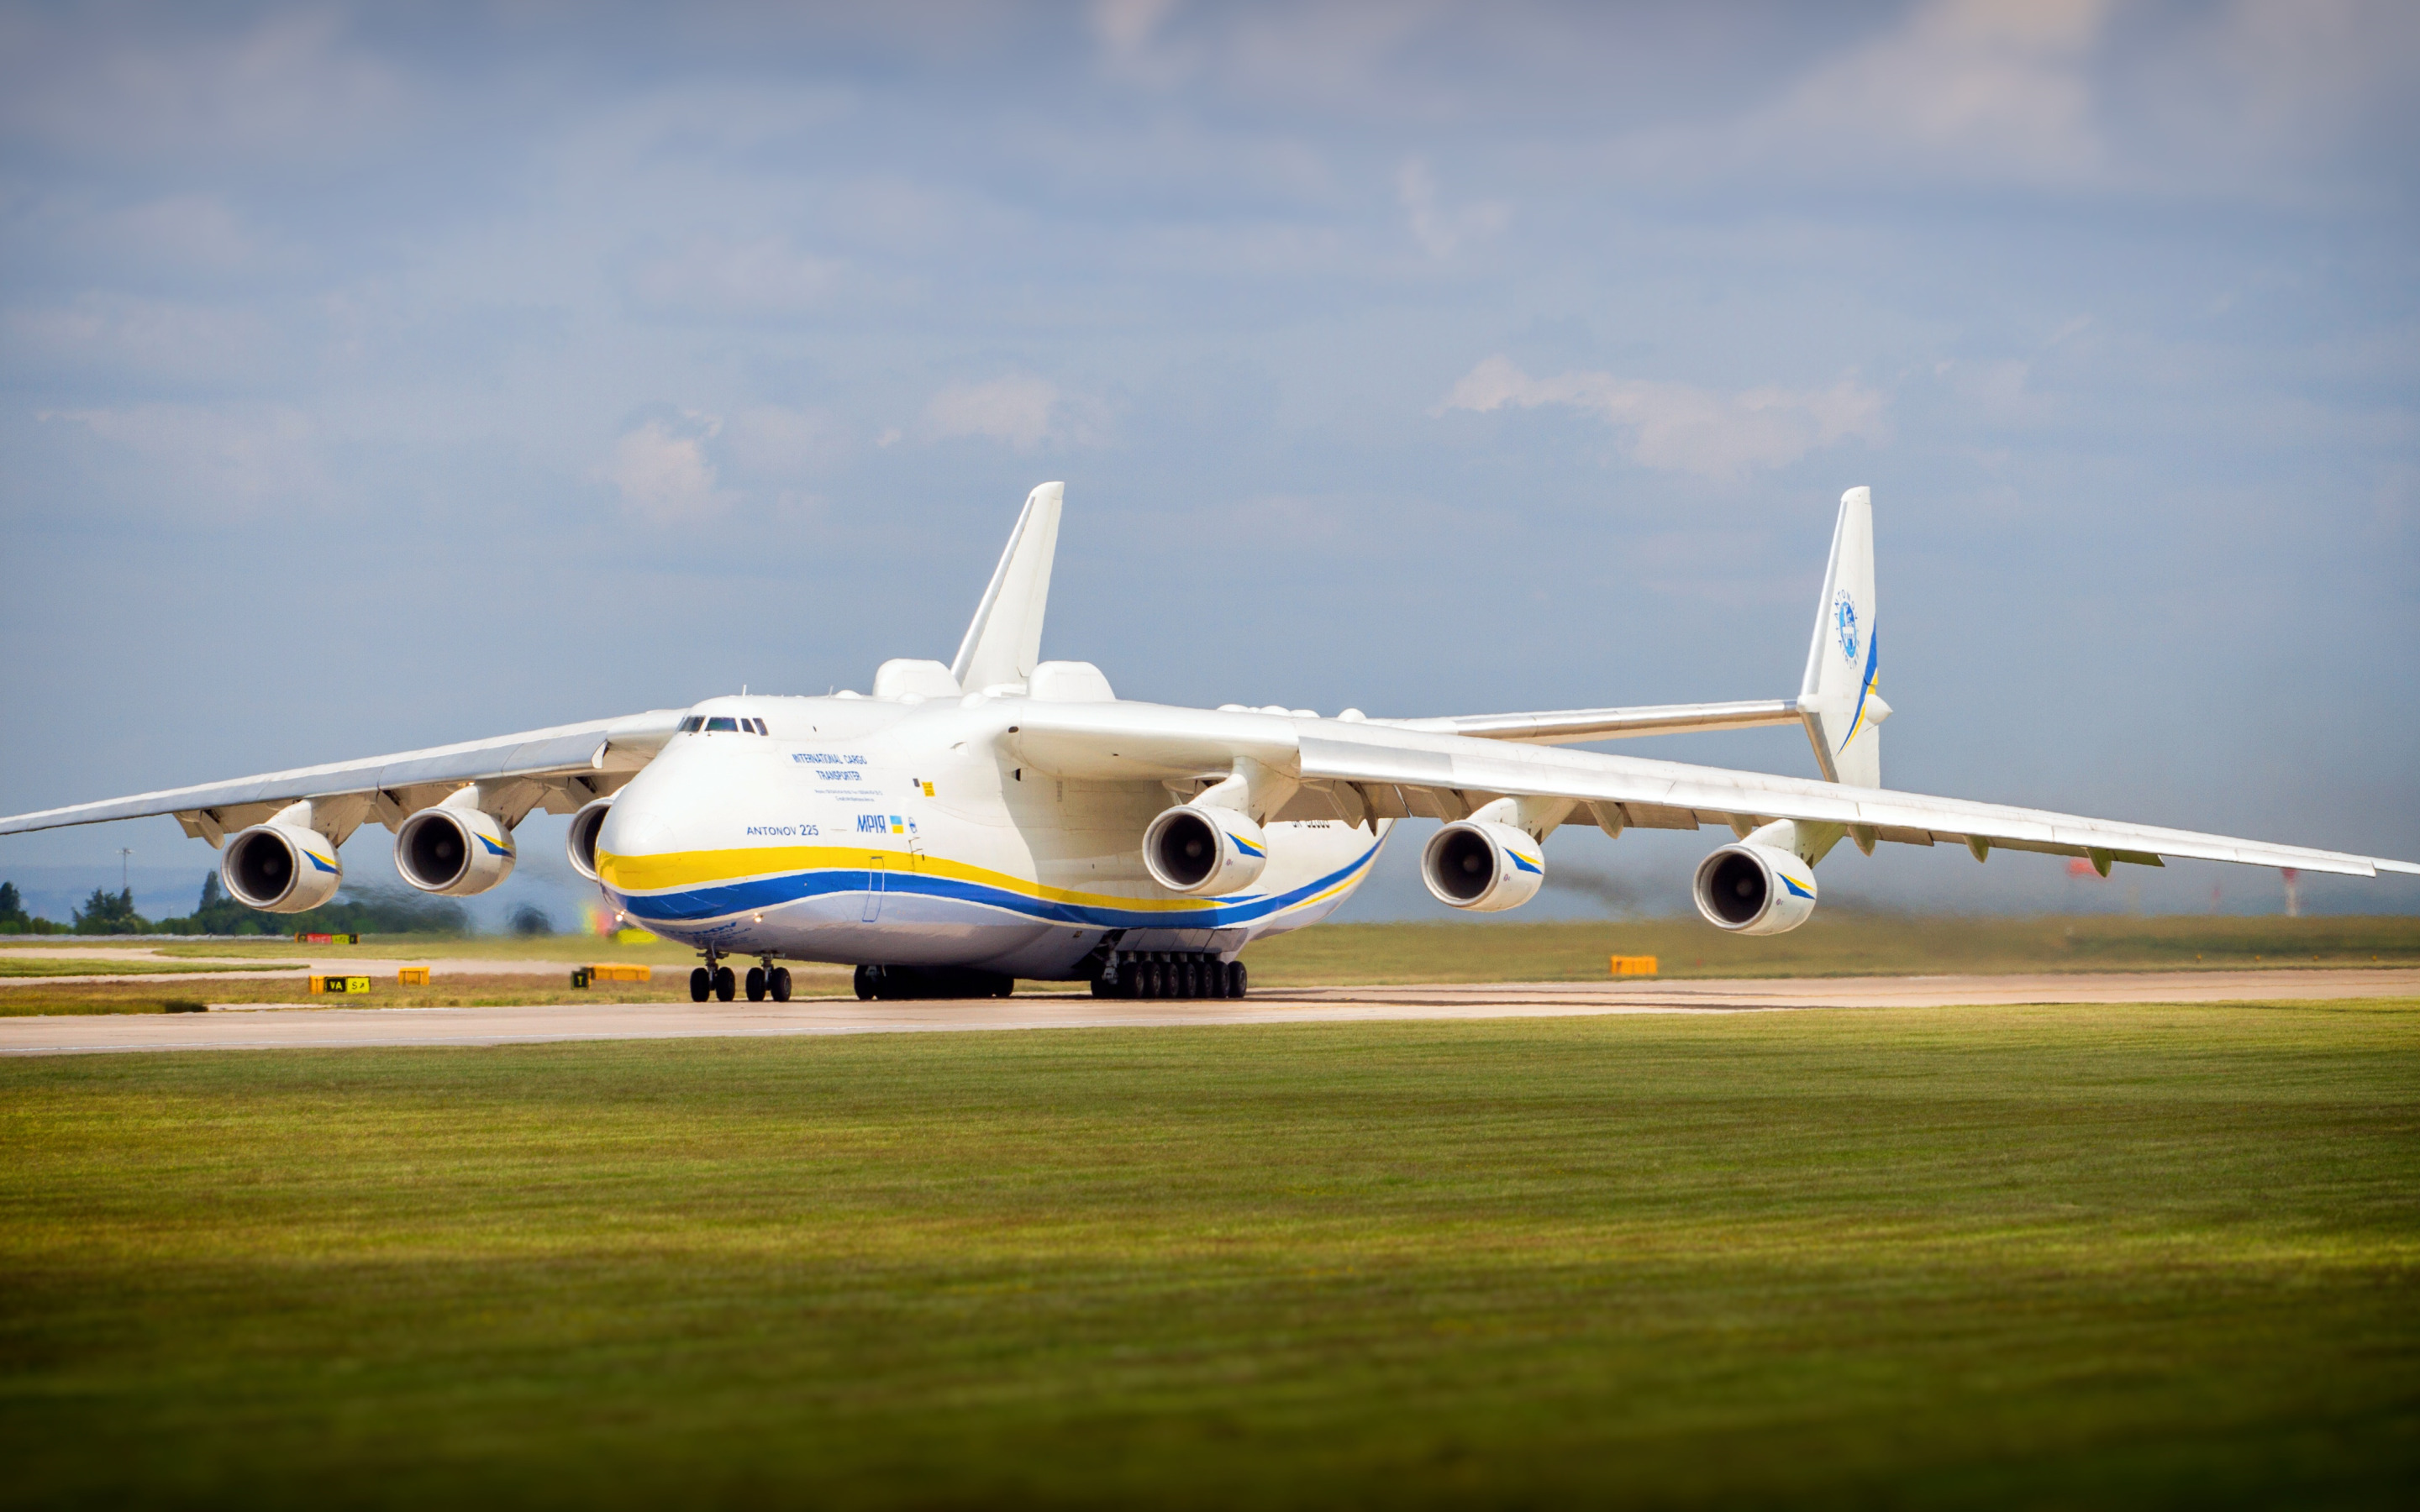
1844	623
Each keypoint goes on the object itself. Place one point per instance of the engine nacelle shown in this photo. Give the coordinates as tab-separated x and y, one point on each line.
1474	864
1755	889
581	842
455	849
1204	852
280	869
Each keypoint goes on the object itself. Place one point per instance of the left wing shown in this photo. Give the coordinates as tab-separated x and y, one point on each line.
1358	770
558	769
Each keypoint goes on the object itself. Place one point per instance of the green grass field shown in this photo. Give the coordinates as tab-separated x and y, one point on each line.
43	964
2005	1256
1838	944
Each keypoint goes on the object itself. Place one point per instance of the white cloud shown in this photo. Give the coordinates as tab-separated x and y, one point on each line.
1125	26
662	471
766	276
229	461
151	338
1962	89
1442	231
291	86
1023	409
778	444
1677	427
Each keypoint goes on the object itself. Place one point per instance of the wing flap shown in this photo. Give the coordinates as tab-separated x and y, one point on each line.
1559	727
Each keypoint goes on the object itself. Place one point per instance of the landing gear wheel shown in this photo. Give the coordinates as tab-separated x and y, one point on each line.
777	983
1214	979
699	983
865	984
1236	979
755	984
1102	989
726	984
1007	988
1192	970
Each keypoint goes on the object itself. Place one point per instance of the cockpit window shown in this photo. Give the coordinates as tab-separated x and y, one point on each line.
693	724
713	725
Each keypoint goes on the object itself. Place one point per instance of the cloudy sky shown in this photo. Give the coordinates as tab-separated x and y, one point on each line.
378	377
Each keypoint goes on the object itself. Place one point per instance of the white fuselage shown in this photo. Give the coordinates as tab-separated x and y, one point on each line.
902	833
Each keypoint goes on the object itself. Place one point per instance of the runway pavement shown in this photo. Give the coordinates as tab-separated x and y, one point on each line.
265	1027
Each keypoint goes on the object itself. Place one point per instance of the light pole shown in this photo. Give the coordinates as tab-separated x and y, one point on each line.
124	885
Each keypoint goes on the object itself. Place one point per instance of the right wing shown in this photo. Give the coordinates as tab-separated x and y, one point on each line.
1357	770
557	769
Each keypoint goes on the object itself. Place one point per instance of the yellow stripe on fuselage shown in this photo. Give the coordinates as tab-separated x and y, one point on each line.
699	869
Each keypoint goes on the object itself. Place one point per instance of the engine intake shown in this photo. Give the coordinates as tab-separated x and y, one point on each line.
1204	852
1755	889
454	850
280	869
580	844
1484	867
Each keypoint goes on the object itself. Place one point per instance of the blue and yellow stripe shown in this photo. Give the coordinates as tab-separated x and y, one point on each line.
698	886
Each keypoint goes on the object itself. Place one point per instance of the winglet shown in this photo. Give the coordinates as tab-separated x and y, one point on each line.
1842	712
1005	642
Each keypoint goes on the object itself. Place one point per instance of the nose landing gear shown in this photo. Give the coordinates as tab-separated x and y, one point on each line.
769	979
713	978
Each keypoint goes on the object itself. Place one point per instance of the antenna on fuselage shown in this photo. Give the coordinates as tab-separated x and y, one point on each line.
1004	641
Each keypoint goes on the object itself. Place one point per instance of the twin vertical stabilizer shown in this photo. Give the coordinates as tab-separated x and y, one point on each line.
1842	712
1005	643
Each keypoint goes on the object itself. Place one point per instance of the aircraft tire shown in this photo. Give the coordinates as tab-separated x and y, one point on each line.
699	983
1192	970
776	982
1214	979
1236	979
865	984
756	984
726	983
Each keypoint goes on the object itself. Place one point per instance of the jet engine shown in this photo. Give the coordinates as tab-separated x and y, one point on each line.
455	849
280	869
1472	863
1755	889
1205	852
581	842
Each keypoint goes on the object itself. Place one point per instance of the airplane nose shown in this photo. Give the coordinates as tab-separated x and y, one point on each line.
650	819
639	824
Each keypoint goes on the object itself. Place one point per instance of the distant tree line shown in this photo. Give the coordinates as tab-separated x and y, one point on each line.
372	911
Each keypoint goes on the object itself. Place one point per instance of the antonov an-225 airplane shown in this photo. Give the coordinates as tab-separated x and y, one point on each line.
1004	816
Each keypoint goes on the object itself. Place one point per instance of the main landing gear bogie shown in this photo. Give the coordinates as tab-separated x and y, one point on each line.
1172	974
